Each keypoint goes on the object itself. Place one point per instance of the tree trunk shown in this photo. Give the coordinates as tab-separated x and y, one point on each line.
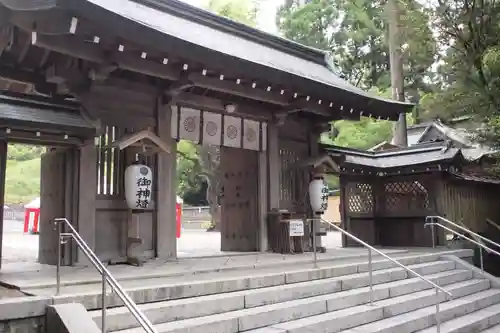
210	157
400	137
213	202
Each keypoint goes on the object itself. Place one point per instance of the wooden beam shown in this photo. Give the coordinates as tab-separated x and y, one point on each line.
232	88
74	47
53	22
216	105
29	137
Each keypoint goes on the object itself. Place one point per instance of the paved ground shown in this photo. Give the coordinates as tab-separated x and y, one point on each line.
20	247
17	246
195	243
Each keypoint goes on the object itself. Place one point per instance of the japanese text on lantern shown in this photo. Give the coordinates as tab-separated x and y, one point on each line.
143	193
324	196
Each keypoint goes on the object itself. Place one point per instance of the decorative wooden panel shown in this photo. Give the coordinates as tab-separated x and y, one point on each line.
215	129
405	196
359	198
294	181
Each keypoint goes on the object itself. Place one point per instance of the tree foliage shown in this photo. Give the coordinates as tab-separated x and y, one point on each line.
469	73
354	32
242	11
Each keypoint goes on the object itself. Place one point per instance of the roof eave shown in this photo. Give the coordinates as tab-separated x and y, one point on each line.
366	104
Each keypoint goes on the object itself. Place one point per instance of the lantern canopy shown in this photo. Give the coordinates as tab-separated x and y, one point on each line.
138	185
318	195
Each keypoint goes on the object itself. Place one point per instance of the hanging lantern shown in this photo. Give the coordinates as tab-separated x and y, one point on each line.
318	194
138	184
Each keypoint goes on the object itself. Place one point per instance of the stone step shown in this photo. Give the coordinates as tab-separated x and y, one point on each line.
162	312
162	290
424	318
288	312
352	318
475	322
494	329
239	264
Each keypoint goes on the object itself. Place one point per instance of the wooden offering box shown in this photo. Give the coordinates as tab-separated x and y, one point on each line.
280	223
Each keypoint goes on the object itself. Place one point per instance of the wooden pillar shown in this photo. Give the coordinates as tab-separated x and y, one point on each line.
3	167
87	196
262	202
165	233
273	155
343	208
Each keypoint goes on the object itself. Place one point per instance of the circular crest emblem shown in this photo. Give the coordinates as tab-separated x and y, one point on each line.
143	171
190	124
232	132
250	134
211	128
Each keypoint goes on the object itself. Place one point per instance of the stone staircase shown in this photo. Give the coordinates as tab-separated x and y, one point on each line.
331	298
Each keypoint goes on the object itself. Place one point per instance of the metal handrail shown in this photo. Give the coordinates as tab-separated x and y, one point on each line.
434	217
370	267
106	277
481	245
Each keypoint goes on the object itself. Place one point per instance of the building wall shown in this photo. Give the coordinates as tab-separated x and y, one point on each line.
332	214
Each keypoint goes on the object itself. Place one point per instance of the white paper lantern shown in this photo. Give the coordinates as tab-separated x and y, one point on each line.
318	195
138	186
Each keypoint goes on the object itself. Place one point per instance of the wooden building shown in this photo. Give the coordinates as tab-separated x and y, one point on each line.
387	195
92	71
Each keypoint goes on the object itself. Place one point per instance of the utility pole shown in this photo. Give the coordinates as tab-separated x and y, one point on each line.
394	13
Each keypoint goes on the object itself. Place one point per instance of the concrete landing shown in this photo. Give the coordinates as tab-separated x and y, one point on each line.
25	276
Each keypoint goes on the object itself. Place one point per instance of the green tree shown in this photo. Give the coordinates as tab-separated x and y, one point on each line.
19	152
469	35
242	11
188	169
354	32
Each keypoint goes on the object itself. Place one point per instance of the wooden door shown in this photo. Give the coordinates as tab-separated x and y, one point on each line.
239	206
57	186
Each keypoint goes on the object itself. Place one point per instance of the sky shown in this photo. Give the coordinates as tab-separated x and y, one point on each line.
266	17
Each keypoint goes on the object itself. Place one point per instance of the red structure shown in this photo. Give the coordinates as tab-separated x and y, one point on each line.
32	216
178	216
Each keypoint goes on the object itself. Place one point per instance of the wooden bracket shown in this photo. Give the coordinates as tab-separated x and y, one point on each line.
139	140
179	86
320	164
101	72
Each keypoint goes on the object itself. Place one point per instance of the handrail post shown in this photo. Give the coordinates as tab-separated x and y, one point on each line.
438	317
103	304
370	268
313	231
58	267
107	277
433	235
481	258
